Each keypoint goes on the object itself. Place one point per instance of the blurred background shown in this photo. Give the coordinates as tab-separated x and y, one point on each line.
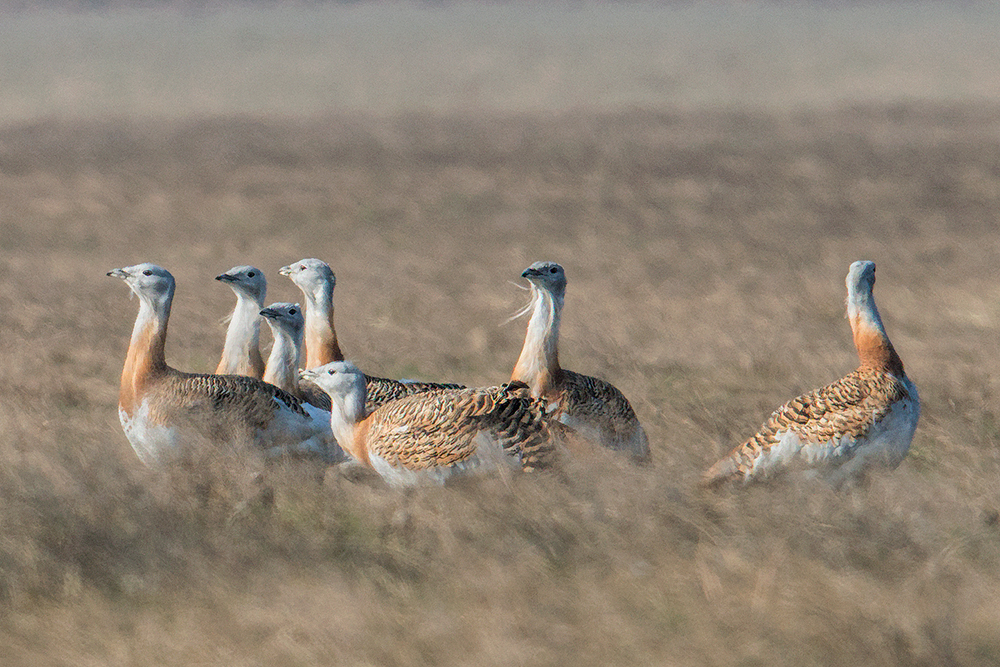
177	58
705	171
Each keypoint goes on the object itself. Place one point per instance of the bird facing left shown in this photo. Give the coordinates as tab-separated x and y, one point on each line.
166	412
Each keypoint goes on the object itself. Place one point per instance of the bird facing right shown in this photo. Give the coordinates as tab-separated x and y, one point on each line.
866	419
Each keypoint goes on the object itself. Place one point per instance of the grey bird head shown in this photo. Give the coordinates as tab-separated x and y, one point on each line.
246	280
337	378
311	275
548	276
151	283
284	316
861	276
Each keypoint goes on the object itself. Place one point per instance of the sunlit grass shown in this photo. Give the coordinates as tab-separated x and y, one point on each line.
697	284
705	251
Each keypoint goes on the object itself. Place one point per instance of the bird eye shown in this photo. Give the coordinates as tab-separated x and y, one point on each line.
251	274
147	272
302	267
331	372
553	270
292	311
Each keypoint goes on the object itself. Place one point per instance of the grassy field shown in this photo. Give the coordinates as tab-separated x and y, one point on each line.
705	250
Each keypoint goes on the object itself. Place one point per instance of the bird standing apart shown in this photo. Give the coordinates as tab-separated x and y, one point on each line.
593	408
164	412
838	432
241	353
316	280
432	436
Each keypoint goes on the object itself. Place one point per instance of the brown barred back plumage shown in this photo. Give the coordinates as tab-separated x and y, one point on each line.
236	399
522	427
848	407
594	400
314	396
440	428
864	420
382	390
431	436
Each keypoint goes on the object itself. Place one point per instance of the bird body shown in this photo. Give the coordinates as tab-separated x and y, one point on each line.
593	408
241	352
430	437
316	280
840	431
163	411
379	391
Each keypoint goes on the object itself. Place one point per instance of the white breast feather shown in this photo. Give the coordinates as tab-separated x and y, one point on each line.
885	444
153	443
290	431
488	456
585	428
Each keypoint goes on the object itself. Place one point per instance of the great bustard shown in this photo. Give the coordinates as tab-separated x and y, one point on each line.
838	432
593	408
282	369
432	436
164	412
241	353
317	281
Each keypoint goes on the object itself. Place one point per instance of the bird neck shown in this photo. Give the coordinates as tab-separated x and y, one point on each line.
145	361
538	365
347	414
321	336
241	353
875	350
282	368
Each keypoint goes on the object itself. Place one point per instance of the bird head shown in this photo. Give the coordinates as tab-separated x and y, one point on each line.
151	283
548	276
284	316
246	280
312	276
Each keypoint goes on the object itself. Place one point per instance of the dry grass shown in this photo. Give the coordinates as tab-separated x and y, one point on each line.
705	255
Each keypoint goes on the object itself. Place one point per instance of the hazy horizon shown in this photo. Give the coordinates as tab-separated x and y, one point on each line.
386	58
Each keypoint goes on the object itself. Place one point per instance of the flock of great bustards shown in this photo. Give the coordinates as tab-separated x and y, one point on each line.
410	432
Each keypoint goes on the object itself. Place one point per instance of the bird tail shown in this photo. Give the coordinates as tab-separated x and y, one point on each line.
723	471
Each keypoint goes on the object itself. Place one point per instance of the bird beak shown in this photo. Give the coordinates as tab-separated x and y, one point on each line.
269	312
530	273
118	273
226	278
308	374
285	270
